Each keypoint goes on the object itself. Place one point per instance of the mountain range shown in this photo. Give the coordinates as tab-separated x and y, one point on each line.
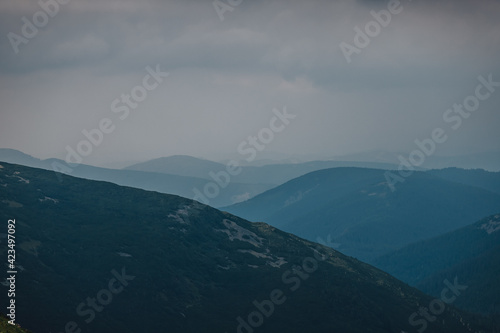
471	253
356	212
185	186
275	174
98	257
489	161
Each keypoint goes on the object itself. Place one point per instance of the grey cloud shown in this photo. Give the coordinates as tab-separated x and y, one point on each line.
264	53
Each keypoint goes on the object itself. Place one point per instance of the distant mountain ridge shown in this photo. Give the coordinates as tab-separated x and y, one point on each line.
471	253
489	161
166	263
181	165
18	157
275	174
353	209
475	177
161	182
186	176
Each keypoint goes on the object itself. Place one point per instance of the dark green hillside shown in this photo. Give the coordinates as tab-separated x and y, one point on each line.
97	257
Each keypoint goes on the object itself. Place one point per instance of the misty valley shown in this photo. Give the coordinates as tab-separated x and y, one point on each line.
245	166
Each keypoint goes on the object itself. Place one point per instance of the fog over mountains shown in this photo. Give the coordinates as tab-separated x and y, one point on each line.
230	66
176	263
355	211
237	166
423	233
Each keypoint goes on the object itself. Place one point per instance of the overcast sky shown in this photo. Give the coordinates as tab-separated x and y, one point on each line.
226	76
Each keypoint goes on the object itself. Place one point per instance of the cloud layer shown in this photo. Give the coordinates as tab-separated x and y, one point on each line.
227	76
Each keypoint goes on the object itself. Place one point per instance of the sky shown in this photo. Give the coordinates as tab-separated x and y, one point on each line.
234	65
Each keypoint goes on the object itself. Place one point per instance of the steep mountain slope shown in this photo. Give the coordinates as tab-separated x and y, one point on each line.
97	257
354	210
471	253
173	184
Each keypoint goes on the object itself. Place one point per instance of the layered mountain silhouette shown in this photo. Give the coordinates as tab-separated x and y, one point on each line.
355	211
185	186
471	253
275	174
187	176
484	160
98	257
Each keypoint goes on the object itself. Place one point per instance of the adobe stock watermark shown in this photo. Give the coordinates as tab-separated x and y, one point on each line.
436	306
372	29
103	298
120	106
293	278
454	117
249	148
221	7
40	19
